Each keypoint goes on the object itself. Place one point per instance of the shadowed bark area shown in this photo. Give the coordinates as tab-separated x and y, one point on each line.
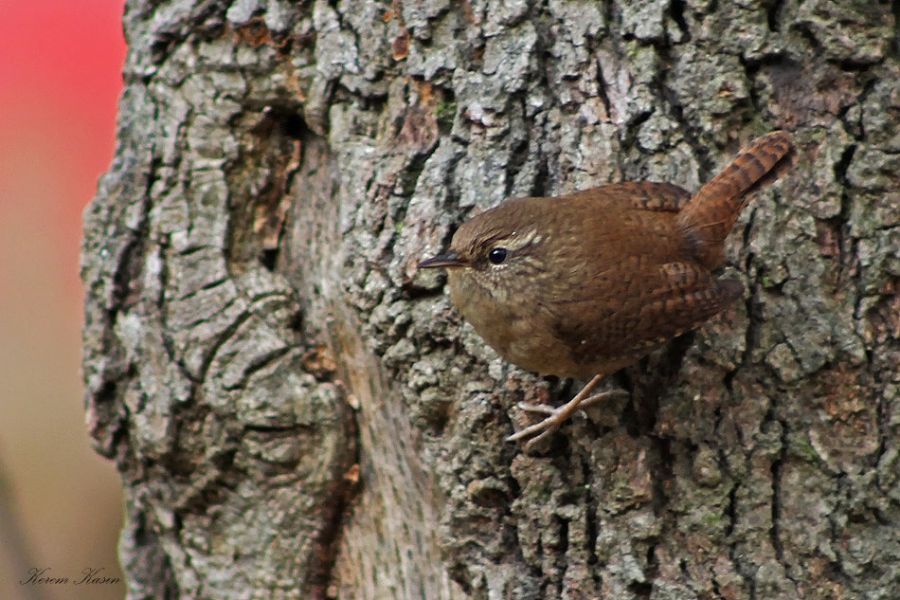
296	413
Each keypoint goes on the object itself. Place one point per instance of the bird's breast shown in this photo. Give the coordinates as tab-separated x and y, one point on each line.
515	327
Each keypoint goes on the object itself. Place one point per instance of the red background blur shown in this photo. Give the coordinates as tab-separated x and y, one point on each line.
60	79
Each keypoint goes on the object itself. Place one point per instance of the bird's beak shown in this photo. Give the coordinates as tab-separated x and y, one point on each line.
448	260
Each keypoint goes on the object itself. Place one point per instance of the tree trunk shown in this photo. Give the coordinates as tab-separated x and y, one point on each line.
297	414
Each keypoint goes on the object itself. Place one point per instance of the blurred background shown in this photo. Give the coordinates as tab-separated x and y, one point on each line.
60	79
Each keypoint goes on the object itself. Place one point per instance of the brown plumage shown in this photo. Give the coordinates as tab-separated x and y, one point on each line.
588	283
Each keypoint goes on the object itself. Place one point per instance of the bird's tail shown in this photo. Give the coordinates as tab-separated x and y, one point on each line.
708	217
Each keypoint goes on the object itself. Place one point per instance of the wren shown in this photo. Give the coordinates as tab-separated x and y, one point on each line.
585	284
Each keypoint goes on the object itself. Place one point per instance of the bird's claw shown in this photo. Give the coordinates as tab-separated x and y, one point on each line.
556	416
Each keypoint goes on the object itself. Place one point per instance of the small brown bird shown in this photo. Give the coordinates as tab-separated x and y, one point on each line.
588	283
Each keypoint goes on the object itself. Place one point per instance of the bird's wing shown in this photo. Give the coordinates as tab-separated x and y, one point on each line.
645	195
651	307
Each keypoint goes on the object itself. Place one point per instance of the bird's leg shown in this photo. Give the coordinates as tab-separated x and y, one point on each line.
560	414
549	409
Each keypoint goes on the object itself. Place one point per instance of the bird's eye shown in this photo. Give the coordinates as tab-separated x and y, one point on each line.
497	255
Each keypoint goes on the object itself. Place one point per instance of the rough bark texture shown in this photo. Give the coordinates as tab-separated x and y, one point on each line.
296	413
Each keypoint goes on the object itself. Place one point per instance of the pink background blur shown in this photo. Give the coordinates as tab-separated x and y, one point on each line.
60	78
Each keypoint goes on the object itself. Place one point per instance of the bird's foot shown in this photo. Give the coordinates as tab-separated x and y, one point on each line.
550	410
557	415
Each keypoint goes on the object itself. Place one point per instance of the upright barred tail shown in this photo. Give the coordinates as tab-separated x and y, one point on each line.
708	217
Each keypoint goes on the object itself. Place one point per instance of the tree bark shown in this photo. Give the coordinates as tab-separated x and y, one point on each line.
296	413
